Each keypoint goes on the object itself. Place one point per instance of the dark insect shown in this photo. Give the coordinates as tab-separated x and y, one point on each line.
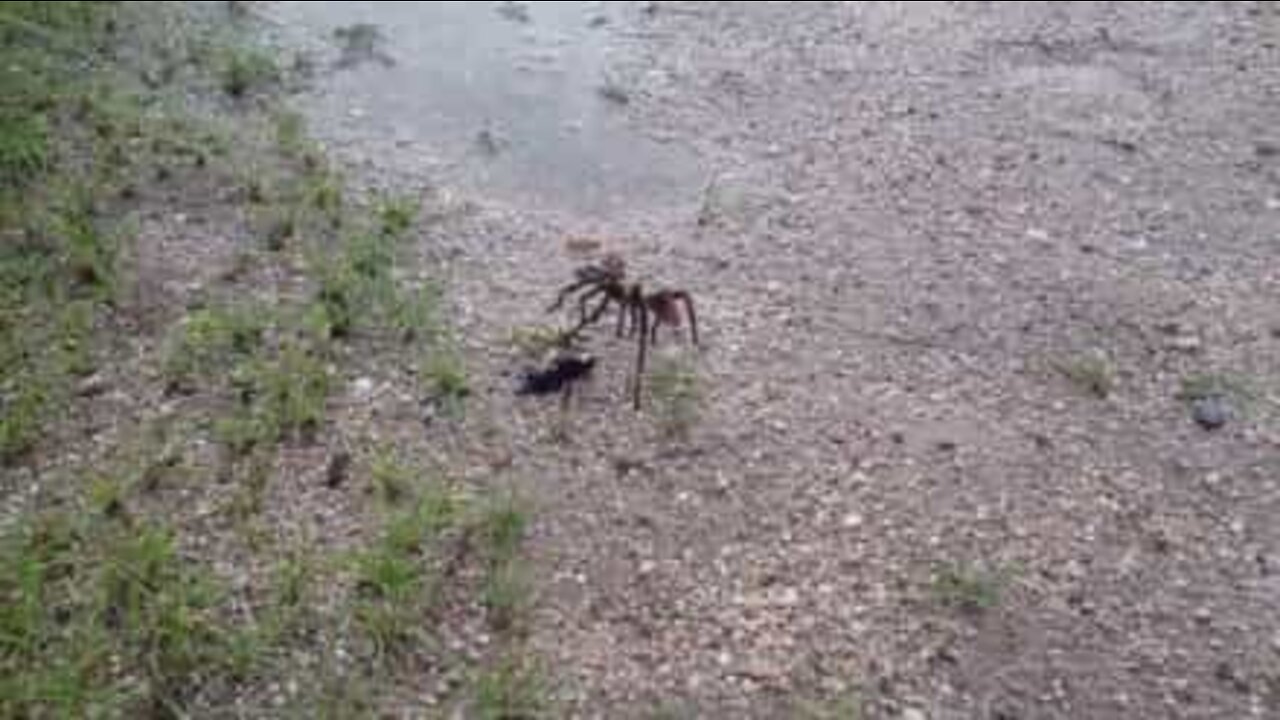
566	371
640	314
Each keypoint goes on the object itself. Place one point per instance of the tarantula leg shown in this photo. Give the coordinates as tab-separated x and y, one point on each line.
588	319
640	357
687	299
622	321
587	297
565	292
636	309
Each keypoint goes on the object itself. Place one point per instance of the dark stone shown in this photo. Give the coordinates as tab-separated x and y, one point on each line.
1211	413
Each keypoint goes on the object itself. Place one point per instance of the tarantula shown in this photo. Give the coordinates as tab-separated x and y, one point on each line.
639	313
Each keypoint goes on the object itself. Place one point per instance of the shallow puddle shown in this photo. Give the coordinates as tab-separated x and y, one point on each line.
512	101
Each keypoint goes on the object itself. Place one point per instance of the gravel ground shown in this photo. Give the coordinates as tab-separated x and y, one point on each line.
932	229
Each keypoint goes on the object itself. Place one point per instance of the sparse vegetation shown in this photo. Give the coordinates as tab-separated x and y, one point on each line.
677	397
445	377
104	610
1091	375
510	689
103	617
967	588
210	339
246	71
846	707
1204	386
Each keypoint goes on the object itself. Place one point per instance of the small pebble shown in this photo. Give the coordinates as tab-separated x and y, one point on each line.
1211	413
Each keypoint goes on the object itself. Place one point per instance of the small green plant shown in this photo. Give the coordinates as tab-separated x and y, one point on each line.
246	71
1205	386
24	149
968	589
21	417
677	397
510	689
291	133
72	343
392	481
277	397
90	254
396	216
500	527
505	597
415	314
294	391
392	582
1091	375
103	619
208	339
443	373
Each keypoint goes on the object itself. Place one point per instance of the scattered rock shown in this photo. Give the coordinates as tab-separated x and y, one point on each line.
761	671
362	388
338	470
852	521
914	714
1211	413
515	12
614	94
1184	343
92	386
1203	615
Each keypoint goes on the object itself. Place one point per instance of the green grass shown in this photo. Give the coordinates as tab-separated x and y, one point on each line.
969	589
244	72
506	595
1091	375
677	397
24	148
445	377
102	618
415	315
510	689
500	527
210	339
290	134
393	585
396	216
1204	386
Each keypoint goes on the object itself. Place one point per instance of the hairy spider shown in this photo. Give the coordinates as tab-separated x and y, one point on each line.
640	314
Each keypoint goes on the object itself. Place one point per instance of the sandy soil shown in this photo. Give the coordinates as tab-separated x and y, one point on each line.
923	219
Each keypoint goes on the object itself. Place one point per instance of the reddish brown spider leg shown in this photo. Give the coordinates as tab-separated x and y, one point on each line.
687	299
565	292
585	298
622	321
588	319
644	336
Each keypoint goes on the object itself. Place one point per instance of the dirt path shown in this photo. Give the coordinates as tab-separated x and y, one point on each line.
938	234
